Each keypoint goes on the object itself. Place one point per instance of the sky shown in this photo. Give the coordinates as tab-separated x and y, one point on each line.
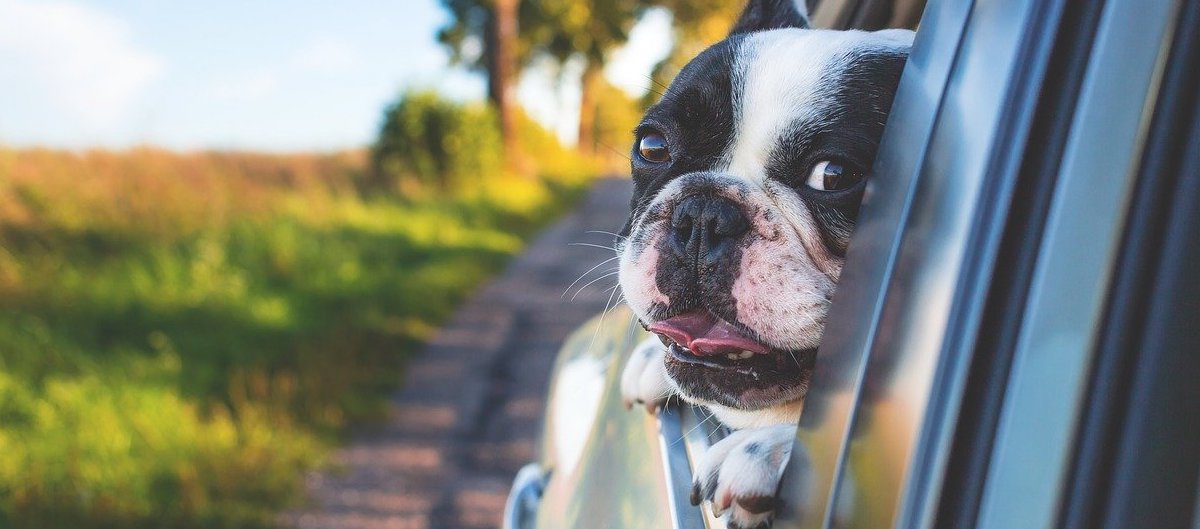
263	75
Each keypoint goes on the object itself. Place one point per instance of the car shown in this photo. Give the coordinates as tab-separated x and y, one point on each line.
1015	340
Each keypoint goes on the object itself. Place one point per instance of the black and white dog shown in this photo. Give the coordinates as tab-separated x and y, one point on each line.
748	176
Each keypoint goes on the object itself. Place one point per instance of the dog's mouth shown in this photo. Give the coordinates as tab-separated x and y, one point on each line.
717	361
699	337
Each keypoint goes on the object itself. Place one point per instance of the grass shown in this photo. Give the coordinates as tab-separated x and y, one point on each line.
183	335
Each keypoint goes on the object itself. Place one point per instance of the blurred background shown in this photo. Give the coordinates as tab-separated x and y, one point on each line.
224	226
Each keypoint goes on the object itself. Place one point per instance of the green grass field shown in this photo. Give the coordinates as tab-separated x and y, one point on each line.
183	335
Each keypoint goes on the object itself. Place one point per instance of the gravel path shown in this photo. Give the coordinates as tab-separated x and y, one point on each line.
468	412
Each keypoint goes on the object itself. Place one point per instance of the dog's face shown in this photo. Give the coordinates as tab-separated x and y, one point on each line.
748	175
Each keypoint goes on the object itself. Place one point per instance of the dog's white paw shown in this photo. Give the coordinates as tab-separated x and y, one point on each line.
644	380
740	475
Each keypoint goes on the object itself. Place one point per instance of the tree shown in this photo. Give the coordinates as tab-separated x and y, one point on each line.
483	35
583	29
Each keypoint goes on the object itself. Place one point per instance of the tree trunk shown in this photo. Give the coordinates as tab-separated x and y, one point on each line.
588	85
502	78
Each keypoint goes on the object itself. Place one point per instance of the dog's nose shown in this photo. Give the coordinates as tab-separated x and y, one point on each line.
707	227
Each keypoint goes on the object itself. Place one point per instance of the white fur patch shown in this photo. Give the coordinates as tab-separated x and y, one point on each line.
636	273
743	466
781	74
644	379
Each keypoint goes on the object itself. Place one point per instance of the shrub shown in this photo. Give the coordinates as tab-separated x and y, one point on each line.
427	142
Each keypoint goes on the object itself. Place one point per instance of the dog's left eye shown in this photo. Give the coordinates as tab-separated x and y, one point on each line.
652	147
832	176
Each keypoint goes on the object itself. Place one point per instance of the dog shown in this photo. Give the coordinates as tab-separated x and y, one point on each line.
748	174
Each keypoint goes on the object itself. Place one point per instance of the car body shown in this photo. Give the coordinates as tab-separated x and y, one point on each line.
1014	342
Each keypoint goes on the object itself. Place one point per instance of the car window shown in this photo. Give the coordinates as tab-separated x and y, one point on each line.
1004	109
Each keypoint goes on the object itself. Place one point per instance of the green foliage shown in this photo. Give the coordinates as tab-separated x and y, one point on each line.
468	31
183	336
557	28
701	22
587	28
428	142
429	145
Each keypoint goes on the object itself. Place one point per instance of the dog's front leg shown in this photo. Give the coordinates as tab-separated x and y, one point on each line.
644	380
740	474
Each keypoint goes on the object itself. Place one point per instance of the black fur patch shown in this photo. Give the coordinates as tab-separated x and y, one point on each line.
769	14
848	132
696	117
757	504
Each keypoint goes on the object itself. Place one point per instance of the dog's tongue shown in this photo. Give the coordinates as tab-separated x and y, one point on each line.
706	335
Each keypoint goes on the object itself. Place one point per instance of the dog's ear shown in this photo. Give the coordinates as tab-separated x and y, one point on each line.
761	15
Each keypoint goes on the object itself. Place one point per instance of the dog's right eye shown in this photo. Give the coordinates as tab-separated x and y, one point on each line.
652	147
832	176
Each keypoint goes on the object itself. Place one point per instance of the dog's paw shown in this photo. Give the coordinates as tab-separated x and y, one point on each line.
644	380
740	475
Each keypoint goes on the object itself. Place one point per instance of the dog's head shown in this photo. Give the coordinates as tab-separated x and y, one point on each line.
748	175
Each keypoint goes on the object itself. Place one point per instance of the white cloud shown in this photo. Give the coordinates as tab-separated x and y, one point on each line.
79	59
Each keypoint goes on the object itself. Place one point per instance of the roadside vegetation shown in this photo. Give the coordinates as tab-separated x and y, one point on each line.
182	335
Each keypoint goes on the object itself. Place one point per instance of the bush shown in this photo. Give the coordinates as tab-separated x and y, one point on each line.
430	143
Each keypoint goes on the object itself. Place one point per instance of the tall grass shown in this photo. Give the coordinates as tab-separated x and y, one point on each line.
183	335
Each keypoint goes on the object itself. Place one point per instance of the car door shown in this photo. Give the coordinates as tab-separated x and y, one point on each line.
1008	336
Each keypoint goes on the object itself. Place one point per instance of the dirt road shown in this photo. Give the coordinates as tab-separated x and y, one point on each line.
467	414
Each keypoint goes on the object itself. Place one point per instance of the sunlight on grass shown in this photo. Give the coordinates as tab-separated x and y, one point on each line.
183	335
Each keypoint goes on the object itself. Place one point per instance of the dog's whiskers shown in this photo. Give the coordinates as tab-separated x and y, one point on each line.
602	232
689	432
615	150
629	334
602	247
608	306
794	359
665	395
583	275
607	274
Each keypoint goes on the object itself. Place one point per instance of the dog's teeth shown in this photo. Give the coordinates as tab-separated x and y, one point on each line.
745	354
733	356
